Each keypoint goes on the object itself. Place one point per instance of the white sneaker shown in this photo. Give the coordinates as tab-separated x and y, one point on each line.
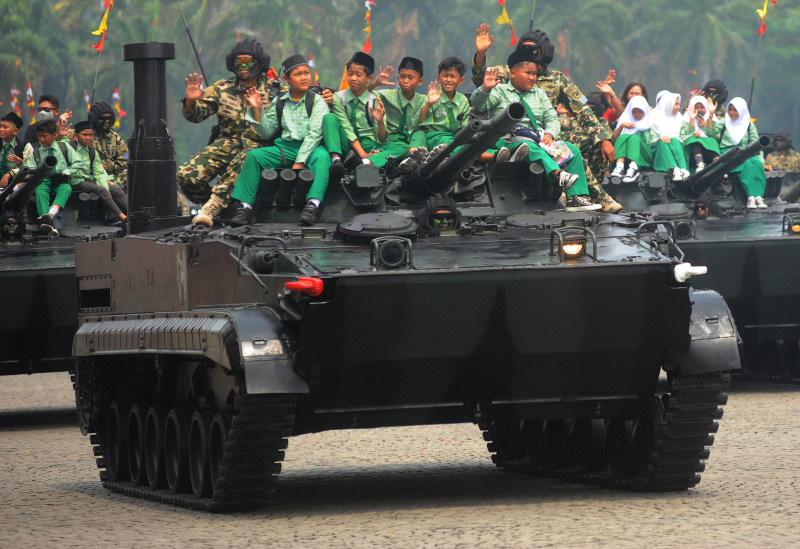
677	174
630	175
502	155
700	167
566	179
760	202
520	153
436	150
686	174
618	171
580	203
751	202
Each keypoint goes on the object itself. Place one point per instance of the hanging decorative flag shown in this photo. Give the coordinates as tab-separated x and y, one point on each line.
14	102
31	103
101	30
763	14
87	99
120	112
18	61
238	37
155	21
368	29
313	67
503	19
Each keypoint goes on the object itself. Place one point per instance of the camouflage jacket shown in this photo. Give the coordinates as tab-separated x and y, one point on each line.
226	99
112	150
560	90
787	160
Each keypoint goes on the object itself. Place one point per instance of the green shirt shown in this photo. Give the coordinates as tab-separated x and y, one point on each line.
7	165
354	109
502	95
297	124
721	134
446	115
89	171
396	106
76	163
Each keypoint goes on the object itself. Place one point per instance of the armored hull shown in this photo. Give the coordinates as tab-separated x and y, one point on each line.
199	353
751	255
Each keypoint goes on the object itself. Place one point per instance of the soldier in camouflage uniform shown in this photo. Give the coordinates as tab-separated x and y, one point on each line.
787	159
108	144
225	155
588	134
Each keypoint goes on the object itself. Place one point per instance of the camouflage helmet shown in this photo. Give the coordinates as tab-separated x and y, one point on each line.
546	48
251	47
100	109
719	89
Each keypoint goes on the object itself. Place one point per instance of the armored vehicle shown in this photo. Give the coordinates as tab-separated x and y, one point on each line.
468	297
752	255
37	275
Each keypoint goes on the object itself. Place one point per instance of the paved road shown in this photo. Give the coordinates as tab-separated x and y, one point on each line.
402	487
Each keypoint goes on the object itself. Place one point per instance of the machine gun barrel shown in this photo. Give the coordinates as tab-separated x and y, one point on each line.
479	135
30	179
725	164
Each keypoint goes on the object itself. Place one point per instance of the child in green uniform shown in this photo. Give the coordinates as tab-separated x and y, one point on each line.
298	144
665	134
493	98
398	130
446	110
739	131
352	127
11	146
631	139
68	163
696	133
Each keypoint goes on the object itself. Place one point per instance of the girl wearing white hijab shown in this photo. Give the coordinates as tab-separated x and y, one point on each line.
739	131
631	139
665	136
699	145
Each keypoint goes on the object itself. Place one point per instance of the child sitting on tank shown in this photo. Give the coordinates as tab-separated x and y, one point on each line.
696	133
632	140
665	136
541	123
446	110
297	145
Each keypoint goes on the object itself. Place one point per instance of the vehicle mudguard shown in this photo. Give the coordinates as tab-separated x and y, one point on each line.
268	352
715	340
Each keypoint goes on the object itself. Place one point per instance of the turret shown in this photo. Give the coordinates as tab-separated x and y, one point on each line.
152	190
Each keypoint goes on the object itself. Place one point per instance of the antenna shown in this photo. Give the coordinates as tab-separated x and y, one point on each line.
185	24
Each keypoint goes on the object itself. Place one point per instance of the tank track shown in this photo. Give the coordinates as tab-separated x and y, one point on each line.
250	463
677	453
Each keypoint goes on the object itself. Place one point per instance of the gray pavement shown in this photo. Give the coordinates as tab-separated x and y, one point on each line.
428	486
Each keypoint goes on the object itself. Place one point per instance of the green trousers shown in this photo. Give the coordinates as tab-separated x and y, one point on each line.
709	144
537	154
752	175
440	138
633	147
43	196
336	142
669	155
264	158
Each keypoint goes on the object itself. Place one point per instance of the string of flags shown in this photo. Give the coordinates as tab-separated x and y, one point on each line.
14	102
101	30
313	66
87	99
31	103
503	19
368	29
763	14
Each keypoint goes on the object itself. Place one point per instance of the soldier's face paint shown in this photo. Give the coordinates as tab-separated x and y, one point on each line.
733	113
245	67
104	124
409	80
523	76
780	144
450	80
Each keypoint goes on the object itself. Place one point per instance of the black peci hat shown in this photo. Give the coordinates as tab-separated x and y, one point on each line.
83	125
411	63
13	118
363	59
292	62
522	56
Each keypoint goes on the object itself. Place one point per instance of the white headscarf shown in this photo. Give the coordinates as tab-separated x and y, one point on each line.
659	95
665	123
636	102
737	129
702	101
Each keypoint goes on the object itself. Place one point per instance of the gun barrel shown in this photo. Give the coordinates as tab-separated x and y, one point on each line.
726	163
30	178
475	138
